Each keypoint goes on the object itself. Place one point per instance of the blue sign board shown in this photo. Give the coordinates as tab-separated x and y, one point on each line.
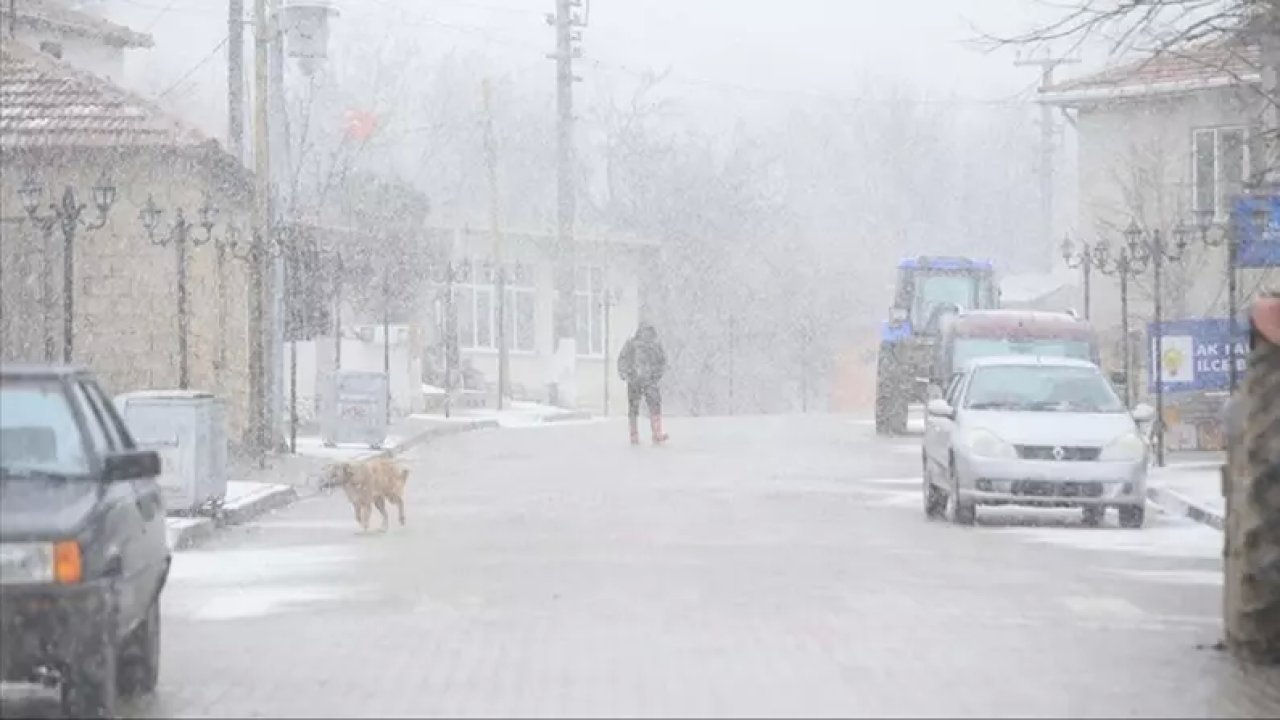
1259	241
1197	354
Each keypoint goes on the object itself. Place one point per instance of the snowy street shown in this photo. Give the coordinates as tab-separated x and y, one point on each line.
754	566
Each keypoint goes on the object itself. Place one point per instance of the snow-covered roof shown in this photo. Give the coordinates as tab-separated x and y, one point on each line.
1174	71
46	102
58	16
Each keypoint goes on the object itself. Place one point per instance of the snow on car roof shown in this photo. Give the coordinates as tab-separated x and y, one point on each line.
1037	360
1019	323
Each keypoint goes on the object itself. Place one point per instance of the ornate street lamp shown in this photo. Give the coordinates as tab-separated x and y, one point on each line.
1124	264
1152	246
69	214
179	234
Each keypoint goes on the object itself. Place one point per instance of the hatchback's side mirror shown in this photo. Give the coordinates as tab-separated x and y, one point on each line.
1117	378
131	465
938	407
1143	413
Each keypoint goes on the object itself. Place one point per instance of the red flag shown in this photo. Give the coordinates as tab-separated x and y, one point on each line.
360	124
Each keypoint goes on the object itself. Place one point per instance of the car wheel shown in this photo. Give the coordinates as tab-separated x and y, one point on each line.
963	512
1132	516
89	687
138	670
935	499
1094	514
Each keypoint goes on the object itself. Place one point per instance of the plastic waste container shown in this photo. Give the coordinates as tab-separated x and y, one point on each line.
358	413
187	428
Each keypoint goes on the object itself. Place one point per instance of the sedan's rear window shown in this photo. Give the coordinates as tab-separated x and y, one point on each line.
38	430
1041	388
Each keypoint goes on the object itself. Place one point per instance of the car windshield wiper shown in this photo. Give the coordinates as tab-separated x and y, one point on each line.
1053	405
995	406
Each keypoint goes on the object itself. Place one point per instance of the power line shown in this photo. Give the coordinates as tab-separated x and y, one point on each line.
202	62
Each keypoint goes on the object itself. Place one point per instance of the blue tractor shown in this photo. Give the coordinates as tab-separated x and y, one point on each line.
927	289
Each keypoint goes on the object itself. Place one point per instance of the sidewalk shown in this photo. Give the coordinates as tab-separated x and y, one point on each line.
254	490
518	414
1190	485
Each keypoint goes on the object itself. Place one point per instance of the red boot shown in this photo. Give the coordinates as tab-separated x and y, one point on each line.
655	423
635	430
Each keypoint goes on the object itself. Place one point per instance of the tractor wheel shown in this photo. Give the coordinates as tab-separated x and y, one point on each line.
1252	582
891	393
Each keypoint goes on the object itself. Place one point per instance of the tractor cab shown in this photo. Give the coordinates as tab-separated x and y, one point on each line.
928	290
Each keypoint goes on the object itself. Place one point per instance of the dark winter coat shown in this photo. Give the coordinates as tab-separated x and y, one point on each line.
643	361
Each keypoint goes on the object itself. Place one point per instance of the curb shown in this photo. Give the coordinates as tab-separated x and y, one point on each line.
202	529
435	432
197	532
277	498
190	535
1178	504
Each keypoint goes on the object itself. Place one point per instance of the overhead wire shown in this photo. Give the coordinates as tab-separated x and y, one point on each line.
199	64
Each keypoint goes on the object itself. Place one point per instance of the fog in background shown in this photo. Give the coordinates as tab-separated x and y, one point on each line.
785	154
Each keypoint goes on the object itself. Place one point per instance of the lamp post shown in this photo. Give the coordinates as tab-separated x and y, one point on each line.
1228	236
1124	264
608	299
69	214
1153	248
1081	259
179	234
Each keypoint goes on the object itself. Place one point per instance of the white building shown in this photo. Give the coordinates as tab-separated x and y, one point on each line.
1165	143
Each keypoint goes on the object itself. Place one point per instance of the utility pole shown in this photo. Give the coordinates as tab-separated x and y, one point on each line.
563	385
258	258
281	205
235	79
500	279
1047	65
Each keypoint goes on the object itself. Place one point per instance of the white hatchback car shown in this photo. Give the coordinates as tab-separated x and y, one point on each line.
1020	430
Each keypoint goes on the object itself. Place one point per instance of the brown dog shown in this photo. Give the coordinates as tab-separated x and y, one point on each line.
371	484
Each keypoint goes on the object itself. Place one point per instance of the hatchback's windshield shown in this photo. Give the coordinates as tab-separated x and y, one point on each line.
38	432
1041	388
967	349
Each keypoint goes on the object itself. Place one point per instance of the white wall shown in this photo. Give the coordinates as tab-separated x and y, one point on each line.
531	369
1135	161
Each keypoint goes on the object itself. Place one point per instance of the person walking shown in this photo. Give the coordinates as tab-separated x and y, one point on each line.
641	366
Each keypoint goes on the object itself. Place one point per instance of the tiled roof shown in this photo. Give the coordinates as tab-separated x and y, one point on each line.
58	15
1173	71
45	102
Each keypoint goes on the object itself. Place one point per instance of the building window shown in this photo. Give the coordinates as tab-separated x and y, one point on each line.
475	296
589	289
521	309
1222	161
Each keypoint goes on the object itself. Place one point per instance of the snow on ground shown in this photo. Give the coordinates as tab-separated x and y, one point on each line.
240	494
231	584
1160	538
174	527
